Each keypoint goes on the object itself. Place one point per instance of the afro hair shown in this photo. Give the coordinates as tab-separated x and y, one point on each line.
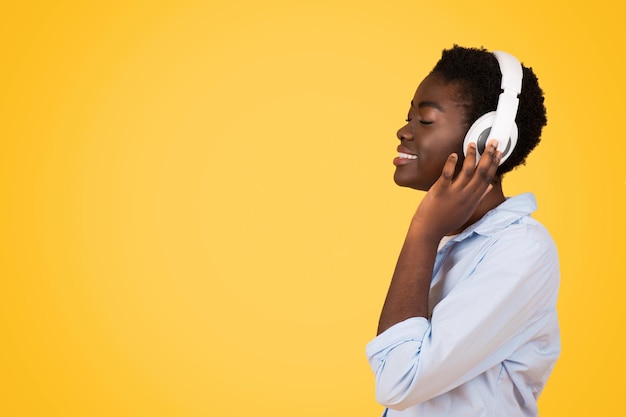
477	72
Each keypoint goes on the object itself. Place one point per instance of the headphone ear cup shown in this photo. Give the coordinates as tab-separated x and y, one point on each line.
478	133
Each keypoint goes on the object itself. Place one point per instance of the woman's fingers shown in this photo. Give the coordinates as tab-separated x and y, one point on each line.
449	168
487	167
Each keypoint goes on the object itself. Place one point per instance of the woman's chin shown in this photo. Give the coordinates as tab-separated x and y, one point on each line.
403	180
409	182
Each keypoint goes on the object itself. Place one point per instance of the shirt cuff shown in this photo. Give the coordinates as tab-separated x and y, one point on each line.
411	329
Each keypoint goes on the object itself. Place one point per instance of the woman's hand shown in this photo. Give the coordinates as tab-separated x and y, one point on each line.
450	202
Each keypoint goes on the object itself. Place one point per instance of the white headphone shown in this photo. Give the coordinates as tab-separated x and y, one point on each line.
500	124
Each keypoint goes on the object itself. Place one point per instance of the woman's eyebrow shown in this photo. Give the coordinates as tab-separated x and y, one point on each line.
423	104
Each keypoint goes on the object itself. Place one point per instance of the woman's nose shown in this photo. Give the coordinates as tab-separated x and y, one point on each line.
405	133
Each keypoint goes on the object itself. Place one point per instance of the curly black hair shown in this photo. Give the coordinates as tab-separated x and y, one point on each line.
477	72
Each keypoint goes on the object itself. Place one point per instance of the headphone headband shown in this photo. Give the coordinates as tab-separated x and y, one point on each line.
511	71
508	101
500	124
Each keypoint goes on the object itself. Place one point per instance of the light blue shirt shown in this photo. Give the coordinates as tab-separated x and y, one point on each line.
492	337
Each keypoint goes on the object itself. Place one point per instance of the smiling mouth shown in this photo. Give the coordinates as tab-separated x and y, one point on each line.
406	155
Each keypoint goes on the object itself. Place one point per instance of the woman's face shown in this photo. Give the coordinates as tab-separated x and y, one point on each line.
436	126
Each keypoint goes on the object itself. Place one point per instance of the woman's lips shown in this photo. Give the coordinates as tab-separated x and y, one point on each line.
404	156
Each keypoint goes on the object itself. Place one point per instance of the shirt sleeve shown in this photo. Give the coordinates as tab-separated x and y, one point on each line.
495	308
387	354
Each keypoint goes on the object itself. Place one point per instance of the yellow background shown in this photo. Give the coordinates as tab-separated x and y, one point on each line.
198	213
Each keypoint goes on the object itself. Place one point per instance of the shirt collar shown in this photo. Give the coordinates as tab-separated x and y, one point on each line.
507	213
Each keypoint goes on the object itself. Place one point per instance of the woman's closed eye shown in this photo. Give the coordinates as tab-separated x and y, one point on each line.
424	122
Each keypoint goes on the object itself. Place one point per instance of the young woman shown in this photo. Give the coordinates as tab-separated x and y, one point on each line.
469	326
